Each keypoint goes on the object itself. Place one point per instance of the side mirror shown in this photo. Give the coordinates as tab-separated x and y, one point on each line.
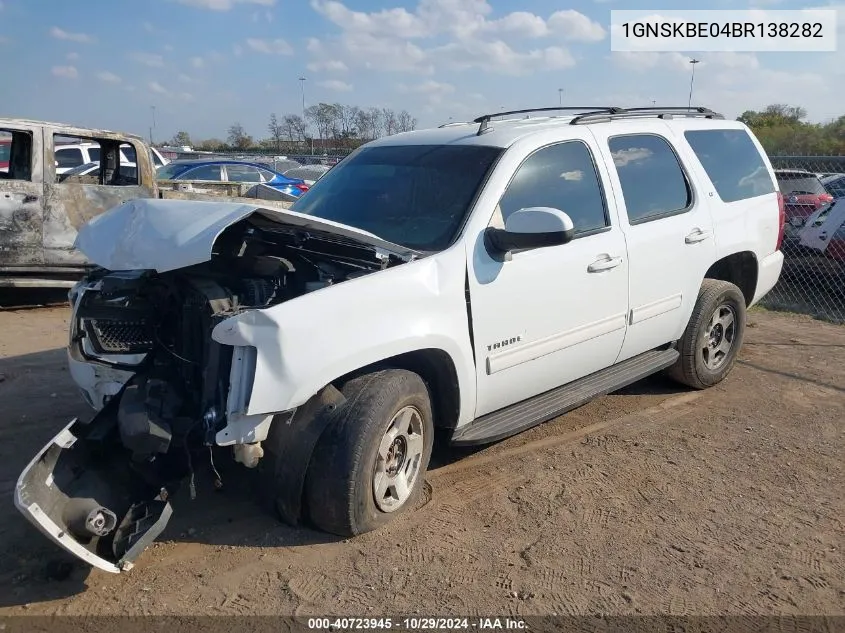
534	227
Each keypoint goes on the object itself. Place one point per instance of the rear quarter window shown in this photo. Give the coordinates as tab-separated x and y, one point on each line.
732	163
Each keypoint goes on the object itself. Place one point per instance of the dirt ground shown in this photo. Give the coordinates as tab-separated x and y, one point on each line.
653	500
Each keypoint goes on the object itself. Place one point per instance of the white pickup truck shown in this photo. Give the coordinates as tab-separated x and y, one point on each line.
480	278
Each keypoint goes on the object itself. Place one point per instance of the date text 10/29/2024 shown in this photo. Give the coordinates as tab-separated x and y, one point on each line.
416	624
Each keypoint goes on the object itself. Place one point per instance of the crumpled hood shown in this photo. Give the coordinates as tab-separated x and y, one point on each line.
163	235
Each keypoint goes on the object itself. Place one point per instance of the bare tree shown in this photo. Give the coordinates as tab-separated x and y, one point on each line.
181	139
406	122
238	138
347	121
277	131
389	124
294	127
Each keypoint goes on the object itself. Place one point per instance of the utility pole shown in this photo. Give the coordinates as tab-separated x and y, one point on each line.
560	96
302	81
153	108
692	81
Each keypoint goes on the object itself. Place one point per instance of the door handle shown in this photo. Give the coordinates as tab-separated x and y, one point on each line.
605	263
697	236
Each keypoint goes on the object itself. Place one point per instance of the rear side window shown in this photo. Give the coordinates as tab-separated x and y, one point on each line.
732	163
653	183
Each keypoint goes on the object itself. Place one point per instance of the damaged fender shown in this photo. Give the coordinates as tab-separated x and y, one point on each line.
298	347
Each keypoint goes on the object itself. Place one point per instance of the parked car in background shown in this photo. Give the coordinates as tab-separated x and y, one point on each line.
309	173
216	170
803	193
70	155
92	170
5	150
834	184
824	231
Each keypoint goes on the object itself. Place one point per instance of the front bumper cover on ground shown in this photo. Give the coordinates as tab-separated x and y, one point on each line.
81	493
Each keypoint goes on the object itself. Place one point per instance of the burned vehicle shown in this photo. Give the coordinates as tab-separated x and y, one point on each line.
478	279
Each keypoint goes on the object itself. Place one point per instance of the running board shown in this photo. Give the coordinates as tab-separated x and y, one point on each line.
538	409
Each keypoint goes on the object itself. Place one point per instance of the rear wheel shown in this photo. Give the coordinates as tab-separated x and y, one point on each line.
370	464
711	342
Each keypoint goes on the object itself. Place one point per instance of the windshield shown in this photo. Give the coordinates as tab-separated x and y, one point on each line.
799	184
413	195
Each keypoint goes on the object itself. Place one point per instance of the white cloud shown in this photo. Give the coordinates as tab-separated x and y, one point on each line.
109	78
66	72
72	57
270	47
463	35
148	59
168	48
330	65
433	91
81	38
197	62
156	87
575	26
519	23
224	5
643	61
336	85
396	22
4	39
499	57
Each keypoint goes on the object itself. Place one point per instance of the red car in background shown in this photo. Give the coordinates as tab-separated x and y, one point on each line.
803	193
5	148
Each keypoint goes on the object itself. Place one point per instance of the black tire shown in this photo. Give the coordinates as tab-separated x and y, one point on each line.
692	368
339	490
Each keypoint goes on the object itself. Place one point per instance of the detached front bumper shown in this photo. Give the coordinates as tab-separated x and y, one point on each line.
80	491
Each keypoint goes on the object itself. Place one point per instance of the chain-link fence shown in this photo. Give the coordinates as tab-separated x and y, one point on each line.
813	277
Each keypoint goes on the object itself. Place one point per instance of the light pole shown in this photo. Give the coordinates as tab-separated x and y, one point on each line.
302	81
692	81
153	108
560	96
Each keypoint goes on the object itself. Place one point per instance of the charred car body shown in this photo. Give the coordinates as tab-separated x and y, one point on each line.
431	279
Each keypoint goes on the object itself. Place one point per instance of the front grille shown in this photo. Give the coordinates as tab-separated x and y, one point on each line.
119	337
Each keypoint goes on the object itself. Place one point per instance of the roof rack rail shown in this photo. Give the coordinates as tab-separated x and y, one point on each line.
484	120
666	112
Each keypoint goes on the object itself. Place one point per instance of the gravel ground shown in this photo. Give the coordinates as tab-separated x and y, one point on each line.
653	500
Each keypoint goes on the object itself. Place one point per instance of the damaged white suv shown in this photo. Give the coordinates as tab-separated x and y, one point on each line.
480	278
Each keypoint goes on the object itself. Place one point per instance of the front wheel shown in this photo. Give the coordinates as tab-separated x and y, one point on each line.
370	463
711	342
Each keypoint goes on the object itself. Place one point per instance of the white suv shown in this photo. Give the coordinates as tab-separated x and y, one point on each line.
480	278
72	155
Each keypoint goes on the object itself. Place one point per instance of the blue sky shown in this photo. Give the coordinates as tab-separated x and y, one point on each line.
205	64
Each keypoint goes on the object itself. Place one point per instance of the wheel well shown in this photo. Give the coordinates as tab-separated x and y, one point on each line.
739	269
438	371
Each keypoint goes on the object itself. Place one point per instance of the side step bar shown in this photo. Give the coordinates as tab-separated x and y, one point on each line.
541	408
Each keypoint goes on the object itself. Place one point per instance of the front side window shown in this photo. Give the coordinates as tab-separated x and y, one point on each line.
417	196
562	177
732	163
653	183
836	187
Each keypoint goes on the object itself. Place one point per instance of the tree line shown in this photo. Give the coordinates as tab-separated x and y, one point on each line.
782	131
325	127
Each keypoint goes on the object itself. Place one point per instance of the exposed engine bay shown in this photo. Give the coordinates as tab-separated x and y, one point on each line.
106	484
